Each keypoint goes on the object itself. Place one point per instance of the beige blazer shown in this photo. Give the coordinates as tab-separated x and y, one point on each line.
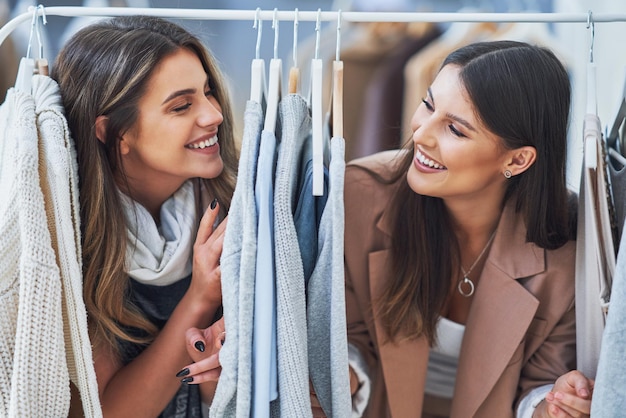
520	332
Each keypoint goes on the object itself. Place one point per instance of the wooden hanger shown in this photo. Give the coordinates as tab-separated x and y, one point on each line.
275	84
337	93
294	72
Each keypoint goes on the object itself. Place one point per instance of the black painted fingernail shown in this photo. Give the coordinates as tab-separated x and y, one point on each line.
214	203
222	340
187	380
199	346
183	372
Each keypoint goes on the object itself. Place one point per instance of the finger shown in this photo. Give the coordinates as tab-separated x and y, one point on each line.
201	371
206	223
572	404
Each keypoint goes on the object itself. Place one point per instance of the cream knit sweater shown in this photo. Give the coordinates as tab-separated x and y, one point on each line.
43	327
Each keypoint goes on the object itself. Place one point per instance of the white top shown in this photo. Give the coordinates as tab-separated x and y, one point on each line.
444	358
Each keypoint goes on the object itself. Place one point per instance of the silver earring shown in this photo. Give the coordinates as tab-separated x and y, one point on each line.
508	174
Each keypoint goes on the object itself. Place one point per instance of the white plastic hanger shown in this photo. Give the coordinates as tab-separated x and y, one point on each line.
317	116
29	66
275	84
591	149
294	72
257	73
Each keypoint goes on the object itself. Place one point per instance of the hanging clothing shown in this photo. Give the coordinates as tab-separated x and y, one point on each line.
238	263
31	291
595	254
608	394
264	356
293	372
326	306
58	169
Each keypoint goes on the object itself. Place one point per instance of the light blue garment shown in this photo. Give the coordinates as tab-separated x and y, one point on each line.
608	394
326	306
293	373
232	396
264	367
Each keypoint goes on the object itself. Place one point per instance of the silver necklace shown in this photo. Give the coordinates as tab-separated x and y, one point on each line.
466	282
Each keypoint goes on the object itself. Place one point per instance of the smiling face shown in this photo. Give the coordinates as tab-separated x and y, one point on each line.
455	156
175	137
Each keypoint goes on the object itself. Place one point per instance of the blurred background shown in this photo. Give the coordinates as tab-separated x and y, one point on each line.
385	73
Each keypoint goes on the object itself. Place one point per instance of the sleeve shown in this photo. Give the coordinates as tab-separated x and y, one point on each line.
362	395
529	403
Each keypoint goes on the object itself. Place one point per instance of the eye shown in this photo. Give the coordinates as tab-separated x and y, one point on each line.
428	105
209	93
182	108
456	132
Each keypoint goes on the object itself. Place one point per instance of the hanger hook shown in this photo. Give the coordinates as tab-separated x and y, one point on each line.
258	25
34	28
295	38
275	27
317	32
590	24
338	35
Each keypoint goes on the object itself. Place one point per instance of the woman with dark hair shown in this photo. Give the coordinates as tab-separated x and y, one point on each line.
151	120
459	249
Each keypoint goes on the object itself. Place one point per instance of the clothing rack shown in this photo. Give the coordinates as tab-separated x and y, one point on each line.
312	16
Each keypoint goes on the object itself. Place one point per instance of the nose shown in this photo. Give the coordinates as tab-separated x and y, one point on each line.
422	127
210	113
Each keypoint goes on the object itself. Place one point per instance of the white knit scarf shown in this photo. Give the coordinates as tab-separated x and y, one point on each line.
161	255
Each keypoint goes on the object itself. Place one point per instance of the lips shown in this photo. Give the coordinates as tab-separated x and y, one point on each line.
428	162
203	143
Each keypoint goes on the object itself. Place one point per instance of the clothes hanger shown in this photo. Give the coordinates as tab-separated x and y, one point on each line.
337	99
275	89
257	73
591	149
294	73
30	66
317	122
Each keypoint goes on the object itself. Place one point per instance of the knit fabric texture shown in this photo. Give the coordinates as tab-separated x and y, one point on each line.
291	333
34	379
58	171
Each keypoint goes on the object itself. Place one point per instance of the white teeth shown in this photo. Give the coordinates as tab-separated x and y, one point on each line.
203	144
426	161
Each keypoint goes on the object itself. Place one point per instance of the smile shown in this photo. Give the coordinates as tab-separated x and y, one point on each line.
422	159
203	144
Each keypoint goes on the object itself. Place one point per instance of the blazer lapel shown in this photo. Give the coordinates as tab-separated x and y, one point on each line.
501	313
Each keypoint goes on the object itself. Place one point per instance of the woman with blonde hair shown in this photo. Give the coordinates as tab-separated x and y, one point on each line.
152	124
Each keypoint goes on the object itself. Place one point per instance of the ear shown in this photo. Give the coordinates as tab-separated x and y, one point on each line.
521	159
101	128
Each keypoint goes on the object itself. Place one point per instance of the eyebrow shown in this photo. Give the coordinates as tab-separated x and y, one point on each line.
452	116
178	93
184	92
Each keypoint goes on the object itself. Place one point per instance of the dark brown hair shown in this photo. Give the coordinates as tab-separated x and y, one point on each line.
521	93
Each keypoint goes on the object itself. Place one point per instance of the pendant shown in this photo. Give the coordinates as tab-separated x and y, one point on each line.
463	284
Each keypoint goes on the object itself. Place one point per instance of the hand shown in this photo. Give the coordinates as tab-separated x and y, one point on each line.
203	346
570	397
316	408
207	249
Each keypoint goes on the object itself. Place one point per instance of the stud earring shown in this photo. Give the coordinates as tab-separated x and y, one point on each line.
508	174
